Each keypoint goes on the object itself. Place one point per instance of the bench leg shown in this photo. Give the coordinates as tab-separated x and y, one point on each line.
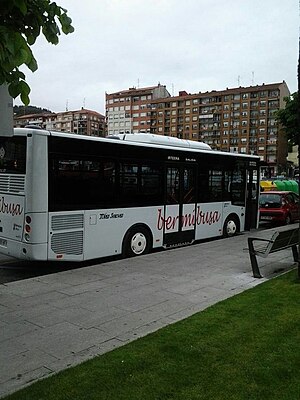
295	253
254	264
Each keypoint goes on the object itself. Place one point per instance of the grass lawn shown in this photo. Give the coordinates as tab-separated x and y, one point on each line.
246	347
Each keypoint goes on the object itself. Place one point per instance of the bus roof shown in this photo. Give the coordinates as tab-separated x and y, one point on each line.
137	139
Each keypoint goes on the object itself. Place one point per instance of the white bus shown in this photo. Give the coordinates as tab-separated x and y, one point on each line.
73	198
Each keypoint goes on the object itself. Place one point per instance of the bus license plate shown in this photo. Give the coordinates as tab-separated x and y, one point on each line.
3	242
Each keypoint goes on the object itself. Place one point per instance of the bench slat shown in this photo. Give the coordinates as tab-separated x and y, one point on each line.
284	240
280	240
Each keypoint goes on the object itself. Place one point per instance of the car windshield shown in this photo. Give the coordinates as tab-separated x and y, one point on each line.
270	200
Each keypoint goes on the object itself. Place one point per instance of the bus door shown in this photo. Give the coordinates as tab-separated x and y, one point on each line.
252	195
180	207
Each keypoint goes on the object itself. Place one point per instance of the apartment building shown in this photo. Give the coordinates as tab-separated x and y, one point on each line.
129	111
82	122
42	120
239	119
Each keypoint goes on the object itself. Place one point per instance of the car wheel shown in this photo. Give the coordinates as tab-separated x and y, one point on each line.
137	241
231	226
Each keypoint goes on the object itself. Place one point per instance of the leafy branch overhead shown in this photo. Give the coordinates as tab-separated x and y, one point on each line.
288	117
21	22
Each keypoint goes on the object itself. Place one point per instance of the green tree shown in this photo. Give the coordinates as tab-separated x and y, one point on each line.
21	22
289	118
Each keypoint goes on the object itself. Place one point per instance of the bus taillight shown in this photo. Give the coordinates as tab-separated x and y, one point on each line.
27	227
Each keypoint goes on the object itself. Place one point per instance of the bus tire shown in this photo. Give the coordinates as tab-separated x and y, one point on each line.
231	226
137	241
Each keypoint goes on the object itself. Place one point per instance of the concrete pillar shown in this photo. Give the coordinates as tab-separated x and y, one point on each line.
6	112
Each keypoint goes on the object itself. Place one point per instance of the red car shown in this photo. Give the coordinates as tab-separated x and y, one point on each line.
279	207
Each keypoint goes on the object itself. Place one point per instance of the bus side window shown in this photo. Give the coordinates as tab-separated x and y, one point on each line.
128	181
172	185
107	183
238	185
215	185
188	185
150	189
203	191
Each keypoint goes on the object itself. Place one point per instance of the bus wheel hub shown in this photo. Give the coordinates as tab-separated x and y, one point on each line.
138	243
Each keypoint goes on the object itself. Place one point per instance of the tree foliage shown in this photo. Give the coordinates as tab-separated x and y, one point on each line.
26	110
289	118
21	22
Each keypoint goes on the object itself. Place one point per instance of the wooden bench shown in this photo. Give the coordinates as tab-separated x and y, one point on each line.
281	238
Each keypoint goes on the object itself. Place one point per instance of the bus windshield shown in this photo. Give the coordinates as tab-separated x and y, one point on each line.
13	155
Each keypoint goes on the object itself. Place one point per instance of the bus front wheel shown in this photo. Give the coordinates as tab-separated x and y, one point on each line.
231	226
137	241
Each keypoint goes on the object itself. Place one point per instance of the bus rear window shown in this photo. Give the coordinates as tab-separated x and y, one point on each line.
13	155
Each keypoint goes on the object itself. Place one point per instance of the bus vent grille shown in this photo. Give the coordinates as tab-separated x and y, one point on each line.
12	183
67	243
62	222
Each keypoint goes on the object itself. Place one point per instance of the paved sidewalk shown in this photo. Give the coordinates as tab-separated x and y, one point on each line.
56	321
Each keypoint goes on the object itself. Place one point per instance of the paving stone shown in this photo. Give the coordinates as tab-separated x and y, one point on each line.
55	321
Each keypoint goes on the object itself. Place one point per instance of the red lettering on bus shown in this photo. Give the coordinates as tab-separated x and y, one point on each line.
201	218
188	219
10	208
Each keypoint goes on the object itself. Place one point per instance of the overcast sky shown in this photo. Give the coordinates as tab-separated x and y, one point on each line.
192	45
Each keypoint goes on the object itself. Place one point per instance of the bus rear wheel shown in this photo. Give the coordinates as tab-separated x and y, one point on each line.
137	242
231	226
